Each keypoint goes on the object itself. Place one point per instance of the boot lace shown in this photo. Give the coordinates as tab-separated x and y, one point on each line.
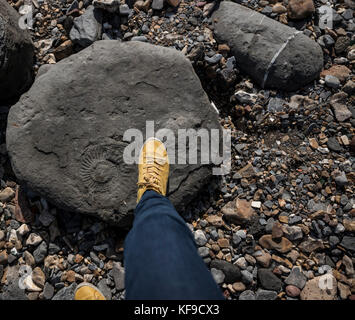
153	168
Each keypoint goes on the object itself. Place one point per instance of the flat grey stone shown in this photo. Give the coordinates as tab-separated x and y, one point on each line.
247	295
262	294
65	136
348	243
273	54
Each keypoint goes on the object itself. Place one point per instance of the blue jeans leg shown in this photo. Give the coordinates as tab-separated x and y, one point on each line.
161	258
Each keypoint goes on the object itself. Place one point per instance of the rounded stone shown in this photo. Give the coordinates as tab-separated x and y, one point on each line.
67	136
273	54
293	291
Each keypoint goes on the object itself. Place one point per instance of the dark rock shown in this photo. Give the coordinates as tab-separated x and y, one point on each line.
16	54
247	295
118	274
341	44
231	271
332	82
66	293
296	278
341	179
103	287
11	258
40	253
158	4
124	10
348	243
334	145
276	56
333	241
326	41
88	155
247	277
74	5
53	249
87	28
48	291
140	38
265	295
110	6
268	280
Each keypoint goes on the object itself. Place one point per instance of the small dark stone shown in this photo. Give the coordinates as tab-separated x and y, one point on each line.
348	243
231	271
40	253
334	145
265	295
268	280
66	293
48	291
296	278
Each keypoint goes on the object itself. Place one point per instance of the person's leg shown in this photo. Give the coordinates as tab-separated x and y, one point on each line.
161	258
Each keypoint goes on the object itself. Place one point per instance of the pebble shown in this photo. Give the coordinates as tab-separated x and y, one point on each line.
247	277
33	240
231	271
7	194
200	238
48	291
262	294
283	246
268	280
292	291
203	252
66	293
40	253
296	278
218	275
118	274
332	82
247	295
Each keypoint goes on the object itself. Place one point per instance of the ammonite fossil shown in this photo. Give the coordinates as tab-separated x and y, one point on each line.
97	171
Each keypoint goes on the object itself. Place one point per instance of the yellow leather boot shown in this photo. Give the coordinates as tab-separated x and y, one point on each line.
153	168
87	291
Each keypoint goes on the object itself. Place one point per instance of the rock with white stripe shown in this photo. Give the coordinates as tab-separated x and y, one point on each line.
273	54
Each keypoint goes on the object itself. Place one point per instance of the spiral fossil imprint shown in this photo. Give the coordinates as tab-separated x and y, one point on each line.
97	172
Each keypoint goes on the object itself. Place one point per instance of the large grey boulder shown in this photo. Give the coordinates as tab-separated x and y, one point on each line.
65	136
273	54
16	54
87	28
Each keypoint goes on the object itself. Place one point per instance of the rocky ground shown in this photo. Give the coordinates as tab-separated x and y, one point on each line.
283	217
